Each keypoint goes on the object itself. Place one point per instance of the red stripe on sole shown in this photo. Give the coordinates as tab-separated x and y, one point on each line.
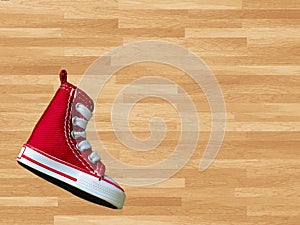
111	183
49	168
58	160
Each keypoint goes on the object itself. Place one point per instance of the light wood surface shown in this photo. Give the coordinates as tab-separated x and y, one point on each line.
253	48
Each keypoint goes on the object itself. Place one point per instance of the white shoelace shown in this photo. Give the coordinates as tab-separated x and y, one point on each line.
82	123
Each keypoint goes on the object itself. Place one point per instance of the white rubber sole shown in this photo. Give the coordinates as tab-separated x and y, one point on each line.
105	189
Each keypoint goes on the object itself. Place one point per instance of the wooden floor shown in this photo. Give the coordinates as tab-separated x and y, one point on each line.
253	48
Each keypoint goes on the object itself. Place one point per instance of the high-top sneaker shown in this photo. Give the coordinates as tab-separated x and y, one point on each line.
59	152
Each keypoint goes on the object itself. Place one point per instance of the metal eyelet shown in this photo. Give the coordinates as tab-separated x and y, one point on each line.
74	120
72	134
92	157
78	104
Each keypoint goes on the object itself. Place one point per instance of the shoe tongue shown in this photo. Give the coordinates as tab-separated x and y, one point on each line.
83	98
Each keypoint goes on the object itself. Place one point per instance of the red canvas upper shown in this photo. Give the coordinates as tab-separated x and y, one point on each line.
52	133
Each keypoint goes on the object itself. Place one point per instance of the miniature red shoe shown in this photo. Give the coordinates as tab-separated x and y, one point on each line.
59	152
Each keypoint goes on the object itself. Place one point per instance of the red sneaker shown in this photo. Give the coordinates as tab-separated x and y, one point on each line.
59	152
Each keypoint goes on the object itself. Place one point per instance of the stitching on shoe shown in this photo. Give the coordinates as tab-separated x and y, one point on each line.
83	101
63	86
92	169
71	144
67	118
83	97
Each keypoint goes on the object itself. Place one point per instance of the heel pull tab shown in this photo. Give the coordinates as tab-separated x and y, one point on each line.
63	76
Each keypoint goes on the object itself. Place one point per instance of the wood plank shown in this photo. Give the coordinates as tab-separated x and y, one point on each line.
252	48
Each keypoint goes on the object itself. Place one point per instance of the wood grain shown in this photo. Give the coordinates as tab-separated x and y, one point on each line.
252	47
